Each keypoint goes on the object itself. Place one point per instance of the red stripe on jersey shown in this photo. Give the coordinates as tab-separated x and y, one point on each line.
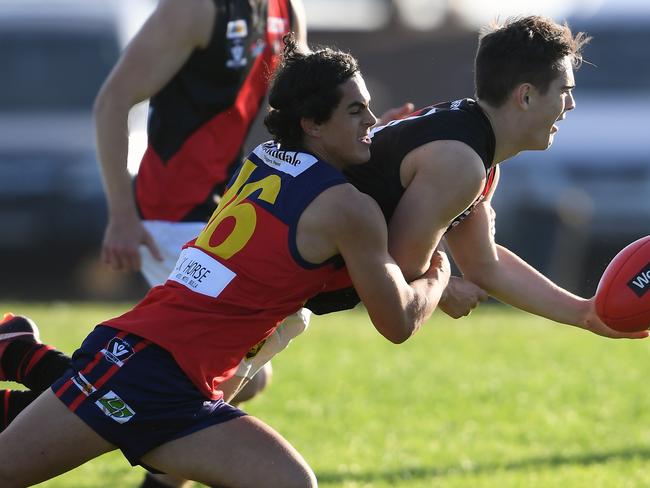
490	181
189	172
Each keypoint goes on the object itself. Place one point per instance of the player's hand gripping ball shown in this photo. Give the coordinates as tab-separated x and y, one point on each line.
623	294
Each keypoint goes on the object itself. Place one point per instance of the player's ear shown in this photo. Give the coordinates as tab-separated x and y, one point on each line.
310	127
523	95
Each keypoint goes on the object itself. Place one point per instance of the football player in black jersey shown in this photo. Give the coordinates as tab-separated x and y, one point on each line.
434	173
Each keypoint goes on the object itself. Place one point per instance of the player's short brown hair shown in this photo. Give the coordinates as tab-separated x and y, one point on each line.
523	50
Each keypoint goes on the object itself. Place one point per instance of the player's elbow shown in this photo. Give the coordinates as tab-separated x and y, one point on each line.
111	100
396	330
397	338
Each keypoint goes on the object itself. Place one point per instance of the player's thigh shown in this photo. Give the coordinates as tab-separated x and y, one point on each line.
45	440
242	452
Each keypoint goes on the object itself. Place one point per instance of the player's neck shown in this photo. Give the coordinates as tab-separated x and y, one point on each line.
505	131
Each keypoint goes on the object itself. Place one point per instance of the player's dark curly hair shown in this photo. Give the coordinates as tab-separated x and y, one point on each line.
523	50
305	85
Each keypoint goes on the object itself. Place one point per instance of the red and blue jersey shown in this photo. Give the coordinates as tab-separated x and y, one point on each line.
198	122
243	274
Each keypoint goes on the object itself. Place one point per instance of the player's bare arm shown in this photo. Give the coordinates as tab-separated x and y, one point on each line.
345	221
513	281
155	54
299	23
442	179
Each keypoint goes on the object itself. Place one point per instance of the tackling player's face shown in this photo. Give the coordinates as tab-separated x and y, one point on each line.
551	107
344	139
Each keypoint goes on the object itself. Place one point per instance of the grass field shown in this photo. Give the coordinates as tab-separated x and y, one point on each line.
500	399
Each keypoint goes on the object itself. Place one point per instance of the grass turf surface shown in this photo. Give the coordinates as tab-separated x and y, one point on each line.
499	399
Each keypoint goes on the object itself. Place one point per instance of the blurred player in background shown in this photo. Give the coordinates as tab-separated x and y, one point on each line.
148	382
204	65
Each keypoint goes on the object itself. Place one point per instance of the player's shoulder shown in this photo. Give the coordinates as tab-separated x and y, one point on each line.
188	8
195	17
346	209
449	161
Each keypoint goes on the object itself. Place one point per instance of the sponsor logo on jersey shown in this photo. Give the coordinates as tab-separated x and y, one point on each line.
201	273
83	384
237	29
290	162
275	25
117	351
640	284
116	408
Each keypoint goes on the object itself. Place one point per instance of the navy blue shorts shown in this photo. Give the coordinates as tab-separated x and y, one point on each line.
133	394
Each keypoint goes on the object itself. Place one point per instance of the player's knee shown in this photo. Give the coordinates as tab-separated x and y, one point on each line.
255	385
300	476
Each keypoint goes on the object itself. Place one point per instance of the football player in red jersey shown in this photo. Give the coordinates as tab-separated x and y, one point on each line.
204	65
148	382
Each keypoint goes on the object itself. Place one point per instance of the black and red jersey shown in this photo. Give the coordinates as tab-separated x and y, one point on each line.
460	120
243	274
198	122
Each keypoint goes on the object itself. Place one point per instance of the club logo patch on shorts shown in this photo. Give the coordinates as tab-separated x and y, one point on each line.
114	407
117	351
83	384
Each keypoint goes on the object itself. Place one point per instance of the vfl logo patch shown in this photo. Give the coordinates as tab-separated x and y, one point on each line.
114	407
117	351
83	384
640	284
237	55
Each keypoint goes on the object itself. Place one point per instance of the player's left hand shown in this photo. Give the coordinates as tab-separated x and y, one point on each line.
396	113
594	324
461	297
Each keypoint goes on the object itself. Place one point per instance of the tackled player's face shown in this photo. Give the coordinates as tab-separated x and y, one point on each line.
344	137
549	108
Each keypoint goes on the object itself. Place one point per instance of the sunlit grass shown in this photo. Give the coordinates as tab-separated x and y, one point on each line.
499	399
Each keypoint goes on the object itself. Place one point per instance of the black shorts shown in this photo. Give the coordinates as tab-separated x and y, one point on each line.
133	394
